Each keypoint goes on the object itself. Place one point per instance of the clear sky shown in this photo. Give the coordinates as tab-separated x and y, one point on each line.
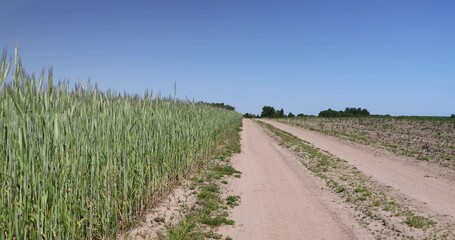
389	56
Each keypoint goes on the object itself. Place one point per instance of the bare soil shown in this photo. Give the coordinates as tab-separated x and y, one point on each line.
430	140
426	185
167	213
281	199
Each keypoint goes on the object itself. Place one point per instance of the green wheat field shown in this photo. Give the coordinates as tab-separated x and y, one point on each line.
80	163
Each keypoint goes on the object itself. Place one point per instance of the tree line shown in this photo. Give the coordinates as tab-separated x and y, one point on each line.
348	112
219	105
271	112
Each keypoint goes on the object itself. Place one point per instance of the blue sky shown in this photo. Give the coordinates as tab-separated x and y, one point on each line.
389	56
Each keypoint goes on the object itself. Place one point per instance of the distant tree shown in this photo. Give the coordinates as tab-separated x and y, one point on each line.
268	112
300	115
291	115
356	112
331	113
348	112
452	116
249	115
365	112
220	105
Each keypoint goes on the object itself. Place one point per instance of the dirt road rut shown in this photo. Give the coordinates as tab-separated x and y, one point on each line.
425	187
280	199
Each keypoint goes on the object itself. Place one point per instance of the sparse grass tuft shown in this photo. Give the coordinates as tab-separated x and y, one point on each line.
217	220
232	201
419	222
212	187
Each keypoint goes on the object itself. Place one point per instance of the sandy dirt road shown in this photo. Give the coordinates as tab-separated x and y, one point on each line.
425	187
280	199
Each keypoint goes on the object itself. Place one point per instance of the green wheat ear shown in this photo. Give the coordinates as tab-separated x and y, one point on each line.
4	67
